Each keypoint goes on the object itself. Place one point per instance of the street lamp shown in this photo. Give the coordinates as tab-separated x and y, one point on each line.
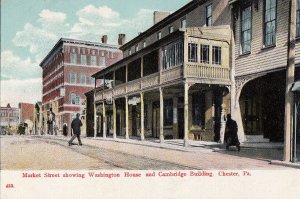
296	91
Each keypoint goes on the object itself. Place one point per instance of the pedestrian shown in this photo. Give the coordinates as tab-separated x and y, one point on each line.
50	121
231	136
75	126
65	129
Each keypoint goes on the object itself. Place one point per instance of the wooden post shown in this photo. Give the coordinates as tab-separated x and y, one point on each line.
186	114
114	119
142	118
104	119
290	78
126	118
161	116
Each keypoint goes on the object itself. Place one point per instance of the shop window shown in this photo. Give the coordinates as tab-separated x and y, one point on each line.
168	112
198	112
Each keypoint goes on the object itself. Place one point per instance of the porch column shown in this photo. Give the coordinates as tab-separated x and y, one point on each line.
126	118
114	119
142	118
161	111
104	119
95	115
186	114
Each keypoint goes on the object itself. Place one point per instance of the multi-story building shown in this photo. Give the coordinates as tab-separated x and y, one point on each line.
173	80
67	73
261	29
27	115
9	116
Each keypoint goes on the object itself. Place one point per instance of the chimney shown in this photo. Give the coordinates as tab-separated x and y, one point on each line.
104	39
159	15
121	39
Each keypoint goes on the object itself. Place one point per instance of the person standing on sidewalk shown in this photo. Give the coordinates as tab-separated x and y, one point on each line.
231	137
75	126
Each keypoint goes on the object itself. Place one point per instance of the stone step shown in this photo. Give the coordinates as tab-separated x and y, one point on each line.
256	138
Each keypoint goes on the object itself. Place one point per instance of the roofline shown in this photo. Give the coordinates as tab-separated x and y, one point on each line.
190	5
67	40
179	31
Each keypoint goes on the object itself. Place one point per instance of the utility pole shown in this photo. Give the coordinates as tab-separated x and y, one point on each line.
290	78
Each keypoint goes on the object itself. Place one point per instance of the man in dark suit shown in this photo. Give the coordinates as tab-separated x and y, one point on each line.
231	137
75	126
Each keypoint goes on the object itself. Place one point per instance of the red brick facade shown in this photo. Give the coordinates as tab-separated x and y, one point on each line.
79	59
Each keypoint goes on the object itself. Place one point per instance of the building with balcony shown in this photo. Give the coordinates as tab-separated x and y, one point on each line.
173	81
67	71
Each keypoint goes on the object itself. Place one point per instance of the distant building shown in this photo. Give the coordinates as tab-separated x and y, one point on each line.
9	117
67	71
27	115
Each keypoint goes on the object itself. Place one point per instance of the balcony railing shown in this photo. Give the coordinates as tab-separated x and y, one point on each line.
204	71
198	71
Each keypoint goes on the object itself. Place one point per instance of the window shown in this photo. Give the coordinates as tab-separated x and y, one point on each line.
270	23
198	112
82	79
83	59
101	61
144	44
204	54
298	19
72	78
93	60
183	23
129	52
173	55
73	58
171	29
168	112
75	99
246	30
159	35
92	81
111	55
216	53
193	50
136	48
208	15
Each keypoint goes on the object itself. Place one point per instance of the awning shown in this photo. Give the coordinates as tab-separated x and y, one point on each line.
296	87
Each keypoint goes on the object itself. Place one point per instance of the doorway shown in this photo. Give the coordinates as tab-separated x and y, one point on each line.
155	120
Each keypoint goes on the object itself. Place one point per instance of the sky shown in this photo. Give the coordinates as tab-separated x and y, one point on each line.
30	28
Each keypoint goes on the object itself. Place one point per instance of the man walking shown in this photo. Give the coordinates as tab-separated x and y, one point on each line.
231	137
75	126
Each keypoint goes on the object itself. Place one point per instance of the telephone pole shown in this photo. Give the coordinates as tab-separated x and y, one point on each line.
290	77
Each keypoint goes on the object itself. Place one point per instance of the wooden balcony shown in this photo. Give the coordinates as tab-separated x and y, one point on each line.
194	73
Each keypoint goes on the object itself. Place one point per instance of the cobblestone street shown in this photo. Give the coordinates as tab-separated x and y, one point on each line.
48	152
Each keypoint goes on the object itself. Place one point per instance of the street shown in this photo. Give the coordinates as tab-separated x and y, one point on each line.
51	153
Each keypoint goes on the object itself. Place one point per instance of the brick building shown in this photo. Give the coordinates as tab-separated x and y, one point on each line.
9	116
27	115
67	73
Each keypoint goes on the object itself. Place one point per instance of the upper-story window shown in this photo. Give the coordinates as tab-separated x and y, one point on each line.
83	59
136	48
144	44
208	15
101	61
129	52
82	79
204	54
92	80
183	23
73	78
298	19
246	26
171	29
216	55
73	57
93	60
75	99
270	19
158	35
173	55
193	51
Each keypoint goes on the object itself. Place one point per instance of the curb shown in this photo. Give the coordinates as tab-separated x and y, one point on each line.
286	164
